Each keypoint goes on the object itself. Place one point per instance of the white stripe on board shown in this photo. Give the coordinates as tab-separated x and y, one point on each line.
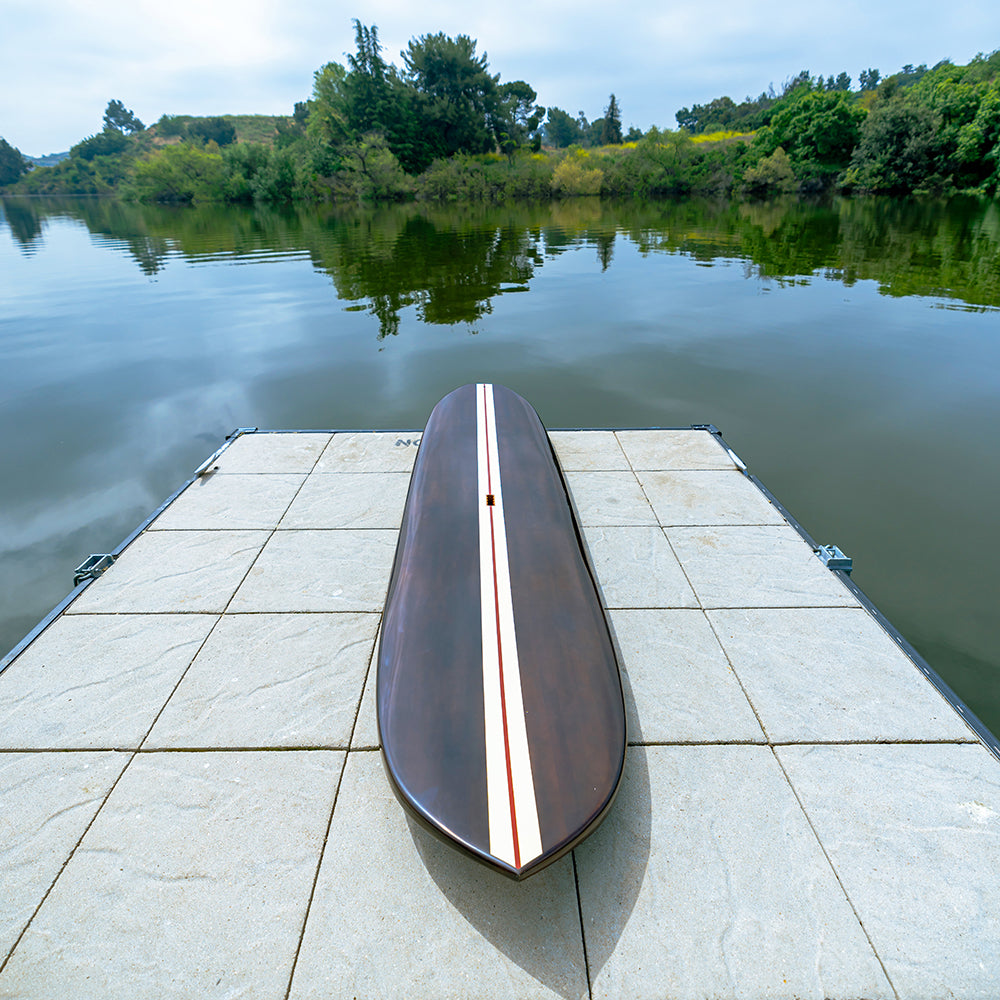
513	816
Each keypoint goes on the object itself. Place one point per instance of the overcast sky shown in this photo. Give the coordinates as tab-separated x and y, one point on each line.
61	61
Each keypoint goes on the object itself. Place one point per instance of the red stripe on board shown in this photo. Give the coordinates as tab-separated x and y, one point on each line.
496	599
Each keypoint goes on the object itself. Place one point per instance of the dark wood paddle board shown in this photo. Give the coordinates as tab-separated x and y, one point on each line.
500	705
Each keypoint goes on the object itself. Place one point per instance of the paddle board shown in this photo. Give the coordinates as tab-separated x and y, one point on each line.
500	708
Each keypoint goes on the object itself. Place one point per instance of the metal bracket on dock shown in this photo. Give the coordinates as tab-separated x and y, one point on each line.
211	463
717	434
833	558
92	567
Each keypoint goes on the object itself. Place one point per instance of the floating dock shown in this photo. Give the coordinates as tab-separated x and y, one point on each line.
193	802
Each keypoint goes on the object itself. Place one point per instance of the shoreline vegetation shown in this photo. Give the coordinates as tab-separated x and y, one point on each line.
443	128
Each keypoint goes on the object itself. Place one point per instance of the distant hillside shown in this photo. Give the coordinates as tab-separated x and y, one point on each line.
49	160
249	128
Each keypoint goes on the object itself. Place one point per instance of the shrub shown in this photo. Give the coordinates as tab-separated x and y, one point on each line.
180	173
573	177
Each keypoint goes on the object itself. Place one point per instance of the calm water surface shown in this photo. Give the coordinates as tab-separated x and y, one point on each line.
850	352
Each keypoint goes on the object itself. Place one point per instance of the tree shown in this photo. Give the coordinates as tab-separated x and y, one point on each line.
561	130
367	85
611	131
457	92
868	79
329	111
12	163
106	143
819	131
515	117
979	141
897	149
119	119
219	130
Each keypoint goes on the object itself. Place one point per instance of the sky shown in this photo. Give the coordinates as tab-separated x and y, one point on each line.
61	61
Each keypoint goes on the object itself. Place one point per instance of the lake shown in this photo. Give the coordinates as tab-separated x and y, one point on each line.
849	350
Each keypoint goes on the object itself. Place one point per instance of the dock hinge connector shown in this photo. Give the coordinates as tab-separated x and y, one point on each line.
92	567
833	558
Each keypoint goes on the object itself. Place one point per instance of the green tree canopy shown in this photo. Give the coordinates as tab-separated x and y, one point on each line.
107	143
218	130
12	163
817	129
120	119
457	92
869	79
515	117
611	128
561	130
897	148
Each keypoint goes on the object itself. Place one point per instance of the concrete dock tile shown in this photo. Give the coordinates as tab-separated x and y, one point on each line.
636	568
192	882
609	498
351	500
273	453
342	570
370	452
179	571
756	567
271	681
231	501
396	913
96	681
674	449
48	800
591	451
831	674
913	832
678	685
705	880
707	497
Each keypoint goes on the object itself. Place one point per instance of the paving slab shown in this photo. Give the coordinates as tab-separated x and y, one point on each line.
679	687
351	500
342	570
270	680
707	497
48	801
236	501
374	452
589	451
609	498
636	568
174	571
755	567
396	913
673	449
96	681
831	674
706	880
193	881
270	454
914	835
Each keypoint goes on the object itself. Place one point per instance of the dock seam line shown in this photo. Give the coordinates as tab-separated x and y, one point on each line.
583	929
836	874
62	867
739	680
333	809
232	596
